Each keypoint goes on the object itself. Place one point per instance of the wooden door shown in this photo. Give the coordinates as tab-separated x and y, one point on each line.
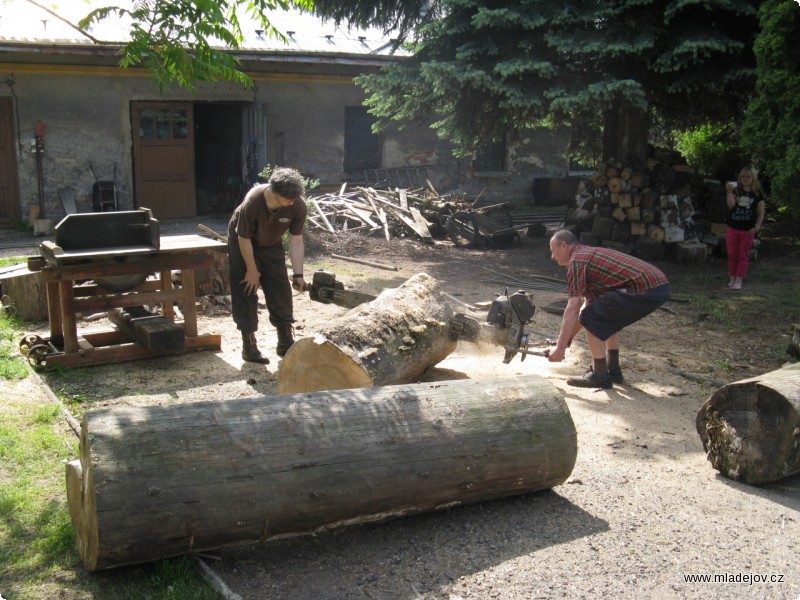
9	184
163	158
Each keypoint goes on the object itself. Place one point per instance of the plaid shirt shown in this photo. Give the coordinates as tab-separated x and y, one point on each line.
593	271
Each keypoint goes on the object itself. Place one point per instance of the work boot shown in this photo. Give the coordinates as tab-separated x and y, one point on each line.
592	379
285	338
615	374
250	351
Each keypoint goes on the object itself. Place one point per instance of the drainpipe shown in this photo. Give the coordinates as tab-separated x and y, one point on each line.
38	133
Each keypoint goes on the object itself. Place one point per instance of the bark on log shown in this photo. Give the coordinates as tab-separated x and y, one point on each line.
390	340
751	428
793	349
161	481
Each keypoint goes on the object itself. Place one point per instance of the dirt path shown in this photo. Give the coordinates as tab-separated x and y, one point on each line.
642	511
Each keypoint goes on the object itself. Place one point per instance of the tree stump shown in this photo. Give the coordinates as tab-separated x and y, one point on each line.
387	341
751	428
24	290
161	481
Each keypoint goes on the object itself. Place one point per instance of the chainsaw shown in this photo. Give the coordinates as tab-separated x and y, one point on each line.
506	313
325	289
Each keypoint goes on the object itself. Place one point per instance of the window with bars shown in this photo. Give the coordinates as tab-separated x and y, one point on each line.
490	157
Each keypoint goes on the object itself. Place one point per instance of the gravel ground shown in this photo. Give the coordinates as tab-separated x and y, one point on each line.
642	512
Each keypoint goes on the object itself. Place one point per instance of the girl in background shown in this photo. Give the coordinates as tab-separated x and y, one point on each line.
746	214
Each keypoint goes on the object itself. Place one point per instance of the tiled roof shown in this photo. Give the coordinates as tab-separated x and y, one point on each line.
24	23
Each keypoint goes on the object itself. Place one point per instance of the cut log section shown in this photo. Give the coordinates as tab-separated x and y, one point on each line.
161	481
391	340
751	428
24	293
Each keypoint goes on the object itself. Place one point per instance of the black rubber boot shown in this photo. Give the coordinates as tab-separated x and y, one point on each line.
285	338
250	351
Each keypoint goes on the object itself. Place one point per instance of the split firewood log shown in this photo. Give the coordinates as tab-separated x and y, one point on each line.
751	428
618	185
655	232
159	481
392	339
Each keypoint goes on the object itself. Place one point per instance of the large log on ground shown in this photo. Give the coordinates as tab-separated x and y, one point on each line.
161	481
387	341
751	428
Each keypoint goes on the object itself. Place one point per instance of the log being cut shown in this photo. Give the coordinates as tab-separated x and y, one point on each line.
387	341
160	481
751	428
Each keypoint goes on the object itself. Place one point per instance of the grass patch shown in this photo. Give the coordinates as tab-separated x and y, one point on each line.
38	553
7	261
764	309
12	365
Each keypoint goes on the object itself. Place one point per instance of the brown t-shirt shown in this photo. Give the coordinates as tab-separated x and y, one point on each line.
254	221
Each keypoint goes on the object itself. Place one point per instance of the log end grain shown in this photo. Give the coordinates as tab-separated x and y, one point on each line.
313	364
393	339
751	429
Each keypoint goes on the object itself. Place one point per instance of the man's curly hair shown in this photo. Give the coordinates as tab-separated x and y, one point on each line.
287	183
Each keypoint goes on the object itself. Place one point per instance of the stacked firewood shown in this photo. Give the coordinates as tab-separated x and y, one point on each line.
663	205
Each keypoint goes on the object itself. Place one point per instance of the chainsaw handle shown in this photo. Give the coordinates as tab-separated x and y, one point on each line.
300	285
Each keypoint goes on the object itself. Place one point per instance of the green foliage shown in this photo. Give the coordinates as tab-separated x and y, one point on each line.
771	129
400	17
309	183
486	68
178	41
713	148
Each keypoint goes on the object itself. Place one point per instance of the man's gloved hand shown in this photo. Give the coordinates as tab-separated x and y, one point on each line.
299	284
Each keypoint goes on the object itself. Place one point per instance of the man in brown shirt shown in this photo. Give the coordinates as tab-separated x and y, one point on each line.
257	259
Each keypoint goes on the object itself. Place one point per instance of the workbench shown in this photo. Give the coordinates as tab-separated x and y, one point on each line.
72	290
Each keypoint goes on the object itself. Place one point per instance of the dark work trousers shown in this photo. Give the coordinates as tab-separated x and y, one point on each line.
271	263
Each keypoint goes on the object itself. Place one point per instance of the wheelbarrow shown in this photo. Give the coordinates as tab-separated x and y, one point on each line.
486	227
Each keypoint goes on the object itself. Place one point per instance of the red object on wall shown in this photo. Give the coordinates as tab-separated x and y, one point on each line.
38	128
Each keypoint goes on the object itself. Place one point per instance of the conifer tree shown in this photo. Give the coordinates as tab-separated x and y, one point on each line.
771	129
488	68
484	69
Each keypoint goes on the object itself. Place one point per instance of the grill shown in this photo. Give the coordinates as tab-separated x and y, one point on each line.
119	263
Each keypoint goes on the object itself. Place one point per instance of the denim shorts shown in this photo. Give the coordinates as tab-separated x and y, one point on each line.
617	309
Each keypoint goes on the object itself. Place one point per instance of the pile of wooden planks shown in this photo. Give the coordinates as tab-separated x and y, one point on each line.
390	212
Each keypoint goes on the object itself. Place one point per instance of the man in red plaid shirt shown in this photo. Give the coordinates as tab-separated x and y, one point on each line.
607	290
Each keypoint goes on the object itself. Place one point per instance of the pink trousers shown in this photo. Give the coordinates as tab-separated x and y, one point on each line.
738	244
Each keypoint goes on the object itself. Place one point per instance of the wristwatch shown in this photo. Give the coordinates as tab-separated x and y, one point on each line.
297	276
